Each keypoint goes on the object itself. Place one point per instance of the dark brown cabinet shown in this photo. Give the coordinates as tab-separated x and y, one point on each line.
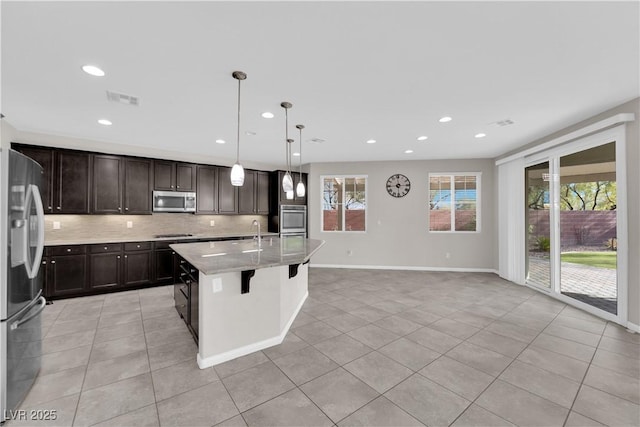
253	196
67	270
72	182
227	193
108	177
280	196
105	270
207	189
137	266
164	259
138	180
173	176
45	157
186	295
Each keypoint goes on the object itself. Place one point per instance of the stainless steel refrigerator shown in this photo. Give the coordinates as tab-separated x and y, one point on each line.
21	299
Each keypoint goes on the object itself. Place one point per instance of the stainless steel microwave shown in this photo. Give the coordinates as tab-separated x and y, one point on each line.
174	201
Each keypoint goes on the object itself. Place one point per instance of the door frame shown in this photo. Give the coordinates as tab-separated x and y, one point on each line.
615	134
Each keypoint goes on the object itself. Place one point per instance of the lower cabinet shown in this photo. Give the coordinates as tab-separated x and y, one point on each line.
77	270
186	295
66	271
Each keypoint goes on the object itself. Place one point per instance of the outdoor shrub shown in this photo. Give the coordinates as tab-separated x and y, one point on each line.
543	243
611	244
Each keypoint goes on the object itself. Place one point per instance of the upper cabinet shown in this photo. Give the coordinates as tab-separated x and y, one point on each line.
174	176
276	188
121	185
207	189
138	184
72	182
227	193
44	156
253	196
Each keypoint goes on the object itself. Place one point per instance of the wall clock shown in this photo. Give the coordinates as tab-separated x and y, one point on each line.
398	185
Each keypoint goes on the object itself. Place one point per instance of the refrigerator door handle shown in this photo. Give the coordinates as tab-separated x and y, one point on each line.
42	302
33	194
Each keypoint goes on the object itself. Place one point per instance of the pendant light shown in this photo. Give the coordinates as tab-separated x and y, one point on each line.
237	171
287	180
300	190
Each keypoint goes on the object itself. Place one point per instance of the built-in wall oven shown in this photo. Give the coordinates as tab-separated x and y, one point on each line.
293	220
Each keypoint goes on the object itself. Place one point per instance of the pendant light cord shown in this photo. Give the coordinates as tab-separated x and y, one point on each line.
287	144
300	154
238	136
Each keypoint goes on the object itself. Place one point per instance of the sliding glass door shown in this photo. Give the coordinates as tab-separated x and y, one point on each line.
588	227
572	224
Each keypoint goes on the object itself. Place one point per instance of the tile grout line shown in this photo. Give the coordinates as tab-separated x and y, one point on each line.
146	348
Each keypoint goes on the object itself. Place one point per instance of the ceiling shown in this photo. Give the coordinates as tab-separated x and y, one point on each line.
353	71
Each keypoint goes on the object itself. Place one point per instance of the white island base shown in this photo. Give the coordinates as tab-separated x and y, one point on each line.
233	324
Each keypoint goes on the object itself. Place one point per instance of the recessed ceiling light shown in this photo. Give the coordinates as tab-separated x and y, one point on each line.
267	115
371	141
105	122
93	70
220	141
445	119
481	135
408	151
296	154
421	138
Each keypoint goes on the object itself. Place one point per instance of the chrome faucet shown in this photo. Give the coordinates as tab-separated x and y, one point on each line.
259	235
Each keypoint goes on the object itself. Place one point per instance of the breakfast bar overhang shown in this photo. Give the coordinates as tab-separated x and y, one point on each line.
249	293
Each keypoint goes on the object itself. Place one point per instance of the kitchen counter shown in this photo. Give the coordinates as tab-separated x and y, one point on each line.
238	298
238	255
90	241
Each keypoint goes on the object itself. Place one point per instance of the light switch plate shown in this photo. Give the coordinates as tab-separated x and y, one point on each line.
56	225
212	223
129	224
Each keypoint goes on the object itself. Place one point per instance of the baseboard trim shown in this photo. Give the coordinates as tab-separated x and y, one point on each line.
407	267
633	327
251	348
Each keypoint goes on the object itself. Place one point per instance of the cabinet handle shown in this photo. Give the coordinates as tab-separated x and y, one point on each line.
53	262
171	186
188	282
118	257
138	246
126	256
49	207
106	248
68	249
119	208
173	253
126	209
58	207
44	262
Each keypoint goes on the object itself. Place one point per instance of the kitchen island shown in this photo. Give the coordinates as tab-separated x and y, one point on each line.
240	297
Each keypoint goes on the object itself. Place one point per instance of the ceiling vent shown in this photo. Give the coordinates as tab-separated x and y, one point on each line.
316	140
122	98
503	123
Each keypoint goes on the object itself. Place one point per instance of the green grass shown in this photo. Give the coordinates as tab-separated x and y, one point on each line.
594	259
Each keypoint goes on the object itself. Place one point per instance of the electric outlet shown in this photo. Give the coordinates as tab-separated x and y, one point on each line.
212	223
349	252
447	255
129	224
56	225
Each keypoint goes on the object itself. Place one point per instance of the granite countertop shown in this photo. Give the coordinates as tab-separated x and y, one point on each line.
238	255
102	240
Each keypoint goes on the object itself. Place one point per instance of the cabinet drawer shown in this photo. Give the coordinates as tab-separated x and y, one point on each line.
68	250
137	246
182	288
106	247
189	269
164	244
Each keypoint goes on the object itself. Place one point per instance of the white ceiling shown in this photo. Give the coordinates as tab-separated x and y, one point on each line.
353	71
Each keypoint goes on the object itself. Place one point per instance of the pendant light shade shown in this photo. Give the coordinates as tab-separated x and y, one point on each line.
287	180
237	175
300	190
290	195
237	172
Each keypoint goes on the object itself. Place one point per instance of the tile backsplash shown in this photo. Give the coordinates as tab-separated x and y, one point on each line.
146	226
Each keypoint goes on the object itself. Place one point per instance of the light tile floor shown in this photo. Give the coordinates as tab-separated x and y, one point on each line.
370	347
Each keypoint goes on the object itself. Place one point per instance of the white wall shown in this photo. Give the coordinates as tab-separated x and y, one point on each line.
397	233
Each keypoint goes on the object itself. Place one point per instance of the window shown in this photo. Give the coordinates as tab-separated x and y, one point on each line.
454	201
344	203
